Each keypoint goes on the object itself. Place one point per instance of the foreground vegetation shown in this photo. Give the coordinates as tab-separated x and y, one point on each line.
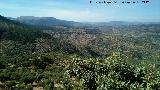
79	59
72	72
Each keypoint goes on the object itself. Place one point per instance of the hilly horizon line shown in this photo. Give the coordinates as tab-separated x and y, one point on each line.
113	21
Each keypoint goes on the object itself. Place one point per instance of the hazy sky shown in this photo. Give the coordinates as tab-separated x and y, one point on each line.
82	10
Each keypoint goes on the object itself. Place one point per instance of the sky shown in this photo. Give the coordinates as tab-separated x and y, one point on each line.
83	10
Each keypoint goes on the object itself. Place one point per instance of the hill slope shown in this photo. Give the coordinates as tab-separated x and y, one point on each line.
12	30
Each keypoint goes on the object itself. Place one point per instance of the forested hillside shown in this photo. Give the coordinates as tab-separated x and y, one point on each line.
105	57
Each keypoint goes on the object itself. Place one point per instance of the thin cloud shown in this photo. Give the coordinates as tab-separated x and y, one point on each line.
7	6
77	15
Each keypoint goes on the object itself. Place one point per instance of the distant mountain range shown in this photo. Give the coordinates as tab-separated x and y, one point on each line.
121	23
51	21
46	21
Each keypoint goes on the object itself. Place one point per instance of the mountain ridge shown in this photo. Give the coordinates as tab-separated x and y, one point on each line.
51	22
45	21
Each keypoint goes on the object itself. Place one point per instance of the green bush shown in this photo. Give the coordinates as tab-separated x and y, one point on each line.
112	73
